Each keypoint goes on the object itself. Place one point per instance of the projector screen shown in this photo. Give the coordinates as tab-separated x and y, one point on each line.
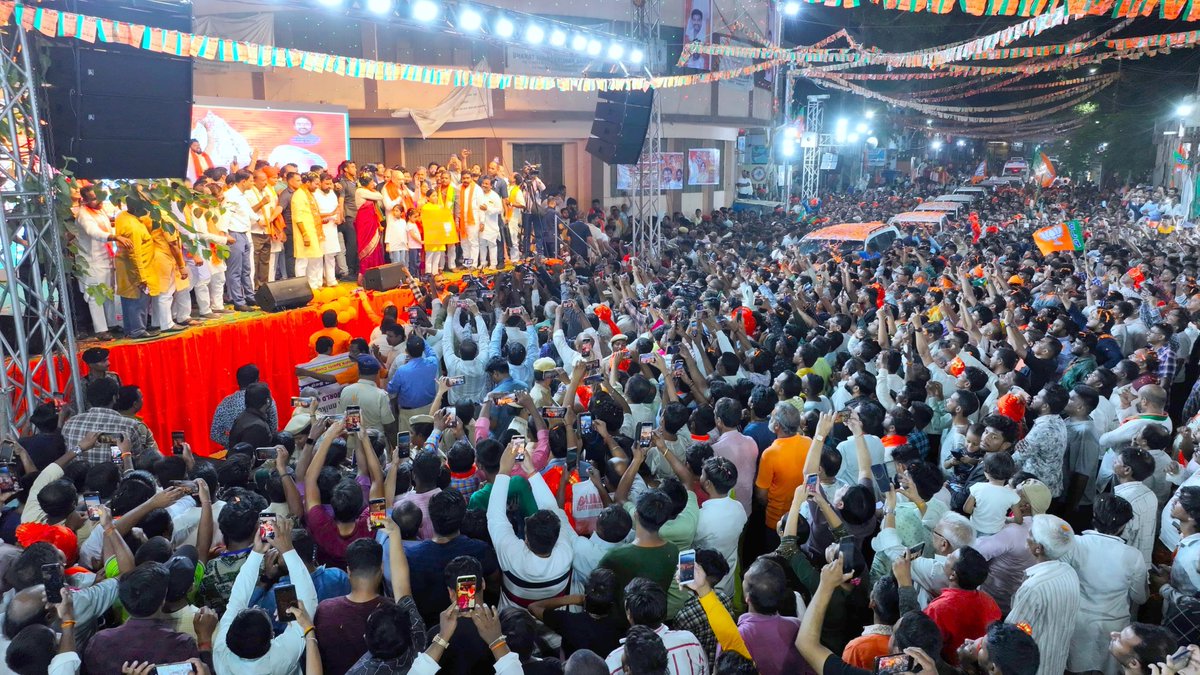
300	134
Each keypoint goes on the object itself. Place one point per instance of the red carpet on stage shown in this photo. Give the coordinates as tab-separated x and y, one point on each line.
184	377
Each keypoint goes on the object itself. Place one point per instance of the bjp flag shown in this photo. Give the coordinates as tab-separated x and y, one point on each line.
1062	237
1045	172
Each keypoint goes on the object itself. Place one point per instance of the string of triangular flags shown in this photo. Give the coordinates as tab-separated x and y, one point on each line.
923	58
1188	10
57	24
953	113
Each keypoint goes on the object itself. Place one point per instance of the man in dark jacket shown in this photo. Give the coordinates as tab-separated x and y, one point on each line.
253	426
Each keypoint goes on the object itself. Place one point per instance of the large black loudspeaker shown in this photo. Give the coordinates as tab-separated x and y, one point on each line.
384	277
619	129
277	296
116	111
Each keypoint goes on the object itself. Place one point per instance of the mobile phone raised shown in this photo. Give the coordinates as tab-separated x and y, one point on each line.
645	434
882	480
177	442
285	599
353	418
519	443
464	592
266	526
893	664
92	501
847	546
53	579
687	565
378	512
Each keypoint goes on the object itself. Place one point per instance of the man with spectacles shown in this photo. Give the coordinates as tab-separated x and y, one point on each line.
953	532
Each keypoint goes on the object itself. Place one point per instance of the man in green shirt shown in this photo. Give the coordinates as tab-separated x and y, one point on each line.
649	555
487	463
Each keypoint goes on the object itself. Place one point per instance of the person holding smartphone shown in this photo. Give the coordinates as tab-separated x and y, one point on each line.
277	655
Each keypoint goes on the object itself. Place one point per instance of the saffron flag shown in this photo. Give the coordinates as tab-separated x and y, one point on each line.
980	172
1045	171
1181	158
1066	236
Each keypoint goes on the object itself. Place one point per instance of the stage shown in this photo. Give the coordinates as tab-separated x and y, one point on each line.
183	376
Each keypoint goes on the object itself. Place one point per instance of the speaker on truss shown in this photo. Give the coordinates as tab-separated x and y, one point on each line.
620	125
116	111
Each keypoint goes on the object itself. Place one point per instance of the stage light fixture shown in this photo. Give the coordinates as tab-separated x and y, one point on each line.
534	34
504	28
615	51
578	42
594	47
558	38
936	144
637	56
469	20
379	6
861	127
424	11
853	138
791	8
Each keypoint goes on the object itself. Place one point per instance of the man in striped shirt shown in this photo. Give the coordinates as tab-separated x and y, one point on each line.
539	566
1048	600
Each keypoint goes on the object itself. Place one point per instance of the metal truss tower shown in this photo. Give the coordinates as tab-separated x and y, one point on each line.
810	176
39	350
647	195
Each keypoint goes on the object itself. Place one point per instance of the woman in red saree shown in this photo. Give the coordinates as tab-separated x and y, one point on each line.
368	225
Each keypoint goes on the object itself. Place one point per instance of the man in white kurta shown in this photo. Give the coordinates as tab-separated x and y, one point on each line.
1048	599
491	210
96	241
469	220
1112	577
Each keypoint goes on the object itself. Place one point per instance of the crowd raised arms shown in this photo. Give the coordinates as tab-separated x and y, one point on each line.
942	450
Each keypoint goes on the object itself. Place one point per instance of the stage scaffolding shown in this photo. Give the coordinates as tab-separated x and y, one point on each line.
38	340
647	199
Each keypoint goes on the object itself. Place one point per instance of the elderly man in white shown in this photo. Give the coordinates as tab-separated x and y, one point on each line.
491	210
952	532
1048	599
1112	578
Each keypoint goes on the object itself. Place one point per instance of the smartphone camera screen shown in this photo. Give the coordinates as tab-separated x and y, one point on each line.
353	418
92	501
465	593
378	513
687	565
645	434
519	443
266	526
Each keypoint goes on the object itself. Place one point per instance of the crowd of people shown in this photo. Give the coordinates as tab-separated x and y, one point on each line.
746	454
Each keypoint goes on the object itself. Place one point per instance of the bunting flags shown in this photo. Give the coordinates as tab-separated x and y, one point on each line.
1066	236
93	29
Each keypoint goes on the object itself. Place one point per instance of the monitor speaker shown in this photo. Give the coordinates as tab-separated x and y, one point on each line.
276	296
115	111
619	128
384	277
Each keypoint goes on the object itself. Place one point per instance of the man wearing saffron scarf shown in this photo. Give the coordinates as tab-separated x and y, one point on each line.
468	218
198	161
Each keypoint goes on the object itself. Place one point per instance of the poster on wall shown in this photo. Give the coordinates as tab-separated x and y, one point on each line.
697	22
765	79
668	168
301	134
744	83
704	166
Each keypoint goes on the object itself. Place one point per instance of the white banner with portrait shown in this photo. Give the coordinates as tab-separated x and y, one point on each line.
697	27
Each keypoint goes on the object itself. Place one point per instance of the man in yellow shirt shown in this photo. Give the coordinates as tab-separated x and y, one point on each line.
134	266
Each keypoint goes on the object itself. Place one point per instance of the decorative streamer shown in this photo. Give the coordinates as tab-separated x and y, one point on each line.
940	111
54	24
924	58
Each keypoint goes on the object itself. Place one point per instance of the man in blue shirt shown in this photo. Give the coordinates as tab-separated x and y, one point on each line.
414	384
